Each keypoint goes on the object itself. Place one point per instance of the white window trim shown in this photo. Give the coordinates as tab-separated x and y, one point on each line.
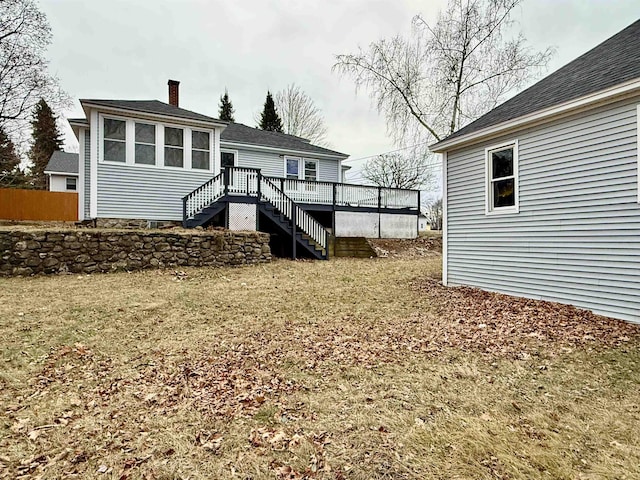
304	168
301	167
209	149
155	145
126	139
487	181
293	157
66	184
160	126
235	157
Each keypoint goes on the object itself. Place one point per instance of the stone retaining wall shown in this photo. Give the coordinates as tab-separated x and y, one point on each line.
27	252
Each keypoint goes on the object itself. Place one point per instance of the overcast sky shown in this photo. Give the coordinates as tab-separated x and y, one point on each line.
128	50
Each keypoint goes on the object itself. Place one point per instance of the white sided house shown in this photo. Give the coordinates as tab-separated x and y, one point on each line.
145	161
541	194
62	172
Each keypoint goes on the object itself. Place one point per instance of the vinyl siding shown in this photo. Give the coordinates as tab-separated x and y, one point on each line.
133	191
272	164
87	176
576	238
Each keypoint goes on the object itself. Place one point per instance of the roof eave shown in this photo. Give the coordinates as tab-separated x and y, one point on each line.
541	116
87	106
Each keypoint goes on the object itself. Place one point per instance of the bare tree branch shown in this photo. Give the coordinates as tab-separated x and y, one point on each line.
445	75
24	79
300	116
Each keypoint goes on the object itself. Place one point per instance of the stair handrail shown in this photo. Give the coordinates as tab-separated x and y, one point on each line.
292	211
201	197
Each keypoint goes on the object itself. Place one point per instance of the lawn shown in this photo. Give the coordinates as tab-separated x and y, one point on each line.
348	369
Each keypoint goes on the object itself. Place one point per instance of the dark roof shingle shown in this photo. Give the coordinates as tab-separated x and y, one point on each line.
152	106
63	162
613	62
239	133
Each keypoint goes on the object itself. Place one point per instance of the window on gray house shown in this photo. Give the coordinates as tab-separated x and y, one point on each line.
311	170
502	178
173	147
115	140
145	144
292	168
200	153
71	183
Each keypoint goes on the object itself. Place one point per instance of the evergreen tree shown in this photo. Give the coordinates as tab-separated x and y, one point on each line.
9	159
226	108
46	140
10	173
270	120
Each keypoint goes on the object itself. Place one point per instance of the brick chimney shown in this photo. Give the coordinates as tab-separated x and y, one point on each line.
173	92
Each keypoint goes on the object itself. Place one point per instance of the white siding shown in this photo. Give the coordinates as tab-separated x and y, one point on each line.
58	183
272	164
133	191
577	237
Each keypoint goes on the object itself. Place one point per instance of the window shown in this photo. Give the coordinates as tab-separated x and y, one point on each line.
71	183
227	159
145	151
292	166
502	179
200	157
310	170
115	140
173	147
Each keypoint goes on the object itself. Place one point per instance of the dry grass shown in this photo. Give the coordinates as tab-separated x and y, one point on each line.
295	370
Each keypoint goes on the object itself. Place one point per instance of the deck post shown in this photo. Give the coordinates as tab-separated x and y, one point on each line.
259	186
379	212
293	231
225	179
184	211
418	221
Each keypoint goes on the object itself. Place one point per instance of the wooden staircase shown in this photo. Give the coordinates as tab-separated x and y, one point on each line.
211	198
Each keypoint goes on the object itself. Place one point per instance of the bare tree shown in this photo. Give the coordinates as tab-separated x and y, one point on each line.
434	214
401	170
24	79
300	116
444	76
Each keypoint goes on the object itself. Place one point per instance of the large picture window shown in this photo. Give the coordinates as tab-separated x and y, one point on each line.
200	153
115	140
145	151
502	179
173	147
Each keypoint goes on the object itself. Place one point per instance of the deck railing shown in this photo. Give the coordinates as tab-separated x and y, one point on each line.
347	195
248	181
202	197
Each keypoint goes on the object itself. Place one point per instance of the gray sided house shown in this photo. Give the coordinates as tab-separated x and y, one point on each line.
146	161
541	194
62	172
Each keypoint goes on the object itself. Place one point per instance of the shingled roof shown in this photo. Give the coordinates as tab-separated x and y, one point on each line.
239	133
63	162
153	106
613	62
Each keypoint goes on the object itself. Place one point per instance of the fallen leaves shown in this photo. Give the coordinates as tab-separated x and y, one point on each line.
500	325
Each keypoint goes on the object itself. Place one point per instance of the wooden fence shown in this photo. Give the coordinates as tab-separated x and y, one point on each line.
16	204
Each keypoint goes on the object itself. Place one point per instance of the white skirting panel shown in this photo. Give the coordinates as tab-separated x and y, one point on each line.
242	216
375	225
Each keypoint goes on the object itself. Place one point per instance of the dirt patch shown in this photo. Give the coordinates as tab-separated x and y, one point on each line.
503	325
423	246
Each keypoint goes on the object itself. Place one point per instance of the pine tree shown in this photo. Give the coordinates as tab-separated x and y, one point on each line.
46	140
270	120
9	159
226	108
10	173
